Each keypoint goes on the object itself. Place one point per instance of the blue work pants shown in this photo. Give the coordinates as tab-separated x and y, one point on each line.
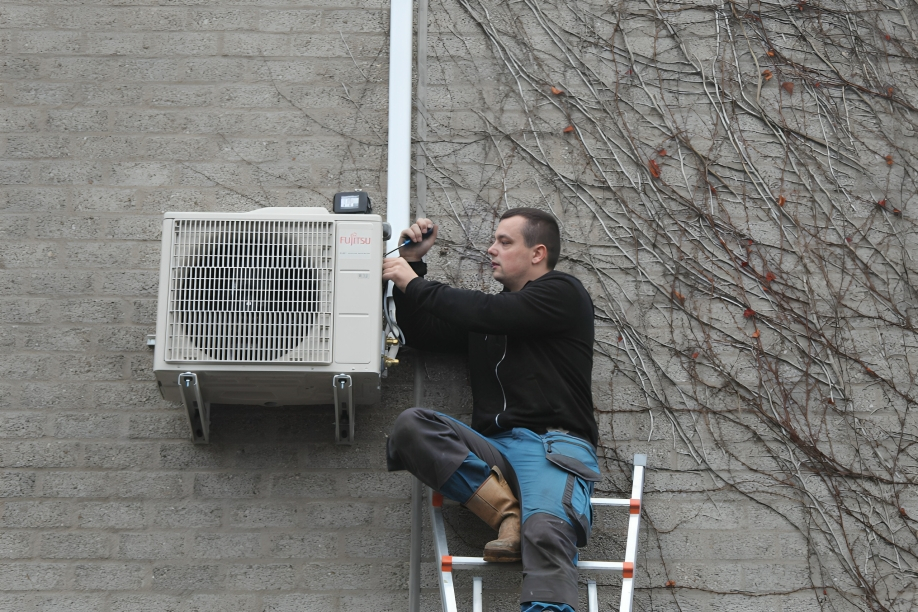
552	474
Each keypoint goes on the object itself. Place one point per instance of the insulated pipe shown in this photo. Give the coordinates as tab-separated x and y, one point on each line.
399	172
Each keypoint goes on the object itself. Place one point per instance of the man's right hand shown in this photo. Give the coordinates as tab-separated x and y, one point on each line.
420	244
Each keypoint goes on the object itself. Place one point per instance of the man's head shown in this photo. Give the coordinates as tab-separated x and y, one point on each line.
527	244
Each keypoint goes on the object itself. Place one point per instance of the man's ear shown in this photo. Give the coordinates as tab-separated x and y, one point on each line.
539	253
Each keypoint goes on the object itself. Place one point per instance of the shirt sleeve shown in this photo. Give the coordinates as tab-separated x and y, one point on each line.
545	304
424	330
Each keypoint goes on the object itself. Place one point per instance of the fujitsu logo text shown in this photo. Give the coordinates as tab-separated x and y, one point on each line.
354	239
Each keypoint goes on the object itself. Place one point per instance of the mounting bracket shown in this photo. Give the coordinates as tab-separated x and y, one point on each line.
344	409
198	411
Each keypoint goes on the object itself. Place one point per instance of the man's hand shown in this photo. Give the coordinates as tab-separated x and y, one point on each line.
420	244
397	270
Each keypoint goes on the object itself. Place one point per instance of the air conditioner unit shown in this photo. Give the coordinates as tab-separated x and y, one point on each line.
279	306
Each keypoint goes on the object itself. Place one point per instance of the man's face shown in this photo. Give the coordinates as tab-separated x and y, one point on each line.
511	259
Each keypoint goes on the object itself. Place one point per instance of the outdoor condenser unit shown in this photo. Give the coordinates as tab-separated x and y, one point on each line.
279	306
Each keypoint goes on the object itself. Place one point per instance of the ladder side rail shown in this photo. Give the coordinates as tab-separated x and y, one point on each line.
627	595
441	551
634	520
417	536
592	596
634	526
476	594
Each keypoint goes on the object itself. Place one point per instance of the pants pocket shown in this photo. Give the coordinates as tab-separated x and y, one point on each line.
571	455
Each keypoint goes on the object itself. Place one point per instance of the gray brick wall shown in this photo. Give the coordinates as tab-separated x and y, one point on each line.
112	113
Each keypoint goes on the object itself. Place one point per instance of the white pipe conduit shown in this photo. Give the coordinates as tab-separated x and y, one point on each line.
398	198
398	201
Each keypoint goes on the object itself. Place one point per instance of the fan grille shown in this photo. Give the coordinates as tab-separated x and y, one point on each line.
254	291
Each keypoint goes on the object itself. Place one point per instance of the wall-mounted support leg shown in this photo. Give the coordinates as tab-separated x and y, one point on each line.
198	411
344	409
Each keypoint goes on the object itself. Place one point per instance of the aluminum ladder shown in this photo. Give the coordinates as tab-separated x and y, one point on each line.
449	563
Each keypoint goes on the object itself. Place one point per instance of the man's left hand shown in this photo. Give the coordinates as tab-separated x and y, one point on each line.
397	270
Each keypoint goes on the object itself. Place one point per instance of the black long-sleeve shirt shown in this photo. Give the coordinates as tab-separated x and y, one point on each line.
530	351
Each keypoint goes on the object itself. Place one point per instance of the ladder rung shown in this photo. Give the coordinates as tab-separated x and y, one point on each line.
601	566
609	501
456	563
596	501
633	504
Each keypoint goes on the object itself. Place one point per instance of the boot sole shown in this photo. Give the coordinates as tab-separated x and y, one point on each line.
507	557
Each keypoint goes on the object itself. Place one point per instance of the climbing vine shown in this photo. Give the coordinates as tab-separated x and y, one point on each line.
736	185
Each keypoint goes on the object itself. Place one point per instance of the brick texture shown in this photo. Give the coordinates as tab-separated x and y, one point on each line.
112	113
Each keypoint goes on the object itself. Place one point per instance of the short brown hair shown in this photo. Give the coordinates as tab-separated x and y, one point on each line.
540	228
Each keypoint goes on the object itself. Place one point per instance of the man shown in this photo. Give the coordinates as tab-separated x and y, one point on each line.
533	433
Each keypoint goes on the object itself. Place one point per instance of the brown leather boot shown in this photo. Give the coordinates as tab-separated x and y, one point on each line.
495	504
